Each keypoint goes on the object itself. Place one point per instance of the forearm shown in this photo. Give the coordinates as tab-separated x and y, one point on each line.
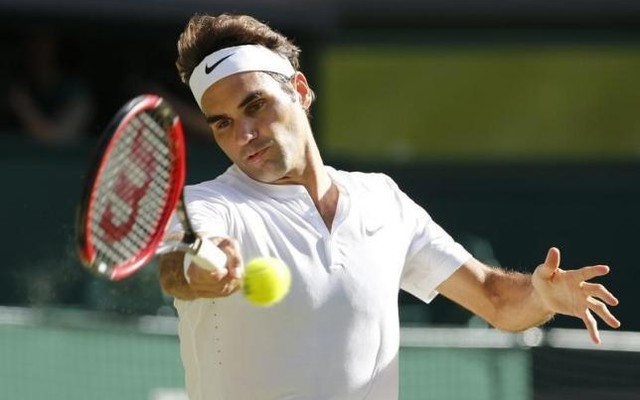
506	300
172	278
515	305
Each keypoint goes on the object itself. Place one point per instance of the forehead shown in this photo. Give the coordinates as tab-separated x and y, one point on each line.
231	90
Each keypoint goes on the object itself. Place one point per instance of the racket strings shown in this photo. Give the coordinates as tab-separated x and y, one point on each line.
132	191
128	239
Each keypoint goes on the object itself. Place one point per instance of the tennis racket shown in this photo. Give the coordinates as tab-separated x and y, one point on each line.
134	186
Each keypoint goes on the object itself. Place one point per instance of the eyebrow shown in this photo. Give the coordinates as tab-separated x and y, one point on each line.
211	119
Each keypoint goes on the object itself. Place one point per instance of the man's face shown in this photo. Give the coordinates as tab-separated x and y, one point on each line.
261	127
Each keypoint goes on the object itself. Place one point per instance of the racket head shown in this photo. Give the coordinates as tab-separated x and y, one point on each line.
134	184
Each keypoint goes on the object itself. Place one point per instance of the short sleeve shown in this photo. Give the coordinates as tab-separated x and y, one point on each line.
432	264
208	214
432	256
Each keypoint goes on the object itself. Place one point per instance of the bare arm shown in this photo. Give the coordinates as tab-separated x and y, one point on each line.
514	301
172	278
70	122
498	296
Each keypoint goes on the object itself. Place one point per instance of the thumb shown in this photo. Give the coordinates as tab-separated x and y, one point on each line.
551	263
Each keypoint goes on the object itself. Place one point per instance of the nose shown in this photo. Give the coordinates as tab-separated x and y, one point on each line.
245	131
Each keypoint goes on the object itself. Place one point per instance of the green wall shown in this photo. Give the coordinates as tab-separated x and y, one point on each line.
464	373
56	362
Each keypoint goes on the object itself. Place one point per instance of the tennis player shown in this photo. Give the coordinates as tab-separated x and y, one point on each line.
351	239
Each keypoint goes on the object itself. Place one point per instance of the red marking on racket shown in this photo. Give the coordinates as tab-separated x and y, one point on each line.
128	192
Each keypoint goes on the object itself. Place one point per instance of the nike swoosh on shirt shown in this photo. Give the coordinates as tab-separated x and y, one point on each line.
371	230
208	69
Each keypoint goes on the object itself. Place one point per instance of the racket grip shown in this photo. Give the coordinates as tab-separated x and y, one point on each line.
207	255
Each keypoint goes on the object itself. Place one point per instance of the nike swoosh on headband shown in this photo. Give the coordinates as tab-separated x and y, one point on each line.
246	58
208	69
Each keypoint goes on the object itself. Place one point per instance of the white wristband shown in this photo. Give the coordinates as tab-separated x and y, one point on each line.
185	265
206	255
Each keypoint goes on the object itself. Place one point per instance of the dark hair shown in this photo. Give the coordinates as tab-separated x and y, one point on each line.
205	34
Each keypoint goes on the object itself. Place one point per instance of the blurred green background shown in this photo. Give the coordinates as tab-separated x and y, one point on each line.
491	102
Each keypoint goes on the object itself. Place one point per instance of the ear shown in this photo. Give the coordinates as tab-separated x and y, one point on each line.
302	89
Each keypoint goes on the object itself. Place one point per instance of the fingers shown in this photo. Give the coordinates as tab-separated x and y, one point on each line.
198	274
603	312
222	290
572	294
221	282
590	322
598	296
588	273
235	264
551	263
599	291
212	283
592	326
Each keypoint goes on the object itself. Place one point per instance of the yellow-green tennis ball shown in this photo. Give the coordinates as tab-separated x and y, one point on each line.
266	281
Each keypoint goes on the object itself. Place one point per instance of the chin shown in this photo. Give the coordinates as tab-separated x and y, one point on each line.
264	176
268	171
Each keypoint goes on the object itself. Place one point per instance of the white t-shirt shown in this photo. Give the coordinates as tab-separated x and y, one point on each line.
336	334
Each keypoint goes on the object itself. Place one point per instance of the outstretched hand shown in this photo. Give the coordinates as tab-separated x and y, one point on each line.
570	293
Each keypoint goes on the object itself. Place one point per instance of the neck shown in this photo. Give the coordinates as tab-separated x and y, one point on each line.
310	173
321	189
315	177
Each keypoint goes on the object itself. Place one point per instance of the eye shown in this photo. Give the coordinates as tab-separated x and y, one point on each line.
221	124
255	106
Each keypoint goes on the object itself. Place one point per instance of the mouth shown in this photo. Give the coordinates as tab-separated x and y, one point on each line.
257	155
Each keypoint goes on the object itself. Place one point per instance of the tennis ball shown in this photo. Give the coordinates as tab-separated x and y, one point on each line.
266	281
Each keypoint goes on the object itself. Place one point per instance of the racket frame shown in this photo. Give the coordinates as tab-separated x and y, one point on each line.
115	129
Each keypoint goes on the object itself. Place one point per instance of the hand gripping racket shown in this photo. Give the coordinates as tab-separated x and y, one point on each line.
133	187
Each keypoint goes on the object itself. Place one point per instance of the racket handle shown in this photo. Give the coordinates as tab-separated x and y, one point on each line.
207	255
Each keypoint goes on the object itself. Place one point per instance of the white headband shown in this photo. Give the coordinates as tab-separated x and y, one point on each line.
232	60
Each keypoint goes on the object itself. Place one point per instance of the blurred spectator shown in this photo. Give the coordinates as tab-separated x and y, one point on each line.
50	105
142	75
193	121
